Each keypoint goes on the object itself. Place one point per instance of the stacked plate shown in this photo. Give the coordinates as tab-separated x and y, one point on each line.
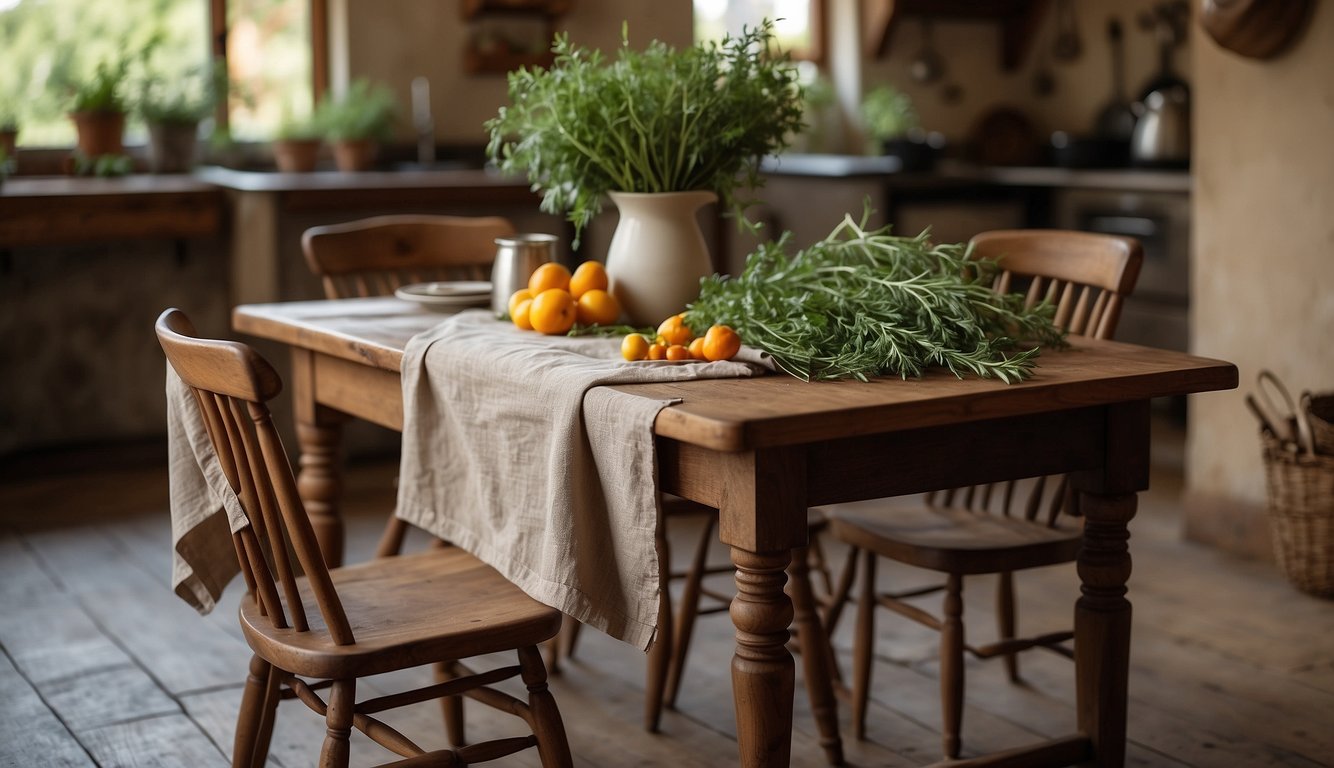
447	296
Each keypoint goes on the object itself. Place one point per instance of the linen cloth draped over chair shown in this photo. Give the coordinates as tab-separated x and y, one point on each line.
312	627
987	529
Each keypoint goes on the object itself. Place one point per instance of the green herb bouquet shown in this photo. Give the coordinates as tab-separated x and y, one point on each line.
863	303
657	120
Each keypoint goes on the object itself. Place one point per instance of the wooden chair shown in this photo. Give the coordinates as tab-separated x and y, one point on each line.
375	256
984	529
378	255
312	627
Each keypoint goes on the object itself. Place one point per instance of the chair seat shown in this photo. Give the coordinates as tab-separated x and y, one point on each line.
953	540
439	605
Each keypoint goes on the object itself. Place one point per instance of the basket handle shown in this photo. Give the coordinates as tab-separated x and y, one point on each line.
1290	431
1305	435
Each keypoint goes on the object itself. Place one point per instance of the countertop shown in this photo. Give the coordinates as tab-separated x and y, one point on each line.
953	173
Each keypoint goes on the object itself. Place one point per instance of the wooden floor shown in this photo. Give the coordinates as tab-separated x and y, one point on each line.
103	666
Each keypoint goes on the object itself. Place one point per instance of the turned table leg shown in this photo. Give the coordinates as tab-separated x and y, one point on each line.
319	482
1102	626
762	668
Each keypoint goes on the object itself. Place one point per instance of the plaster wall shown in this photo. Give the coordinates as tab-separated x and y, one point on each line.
1263	228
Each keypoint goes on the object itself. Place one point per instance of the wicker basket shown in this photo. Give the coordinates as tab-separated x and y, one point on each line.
1301	515
1319	410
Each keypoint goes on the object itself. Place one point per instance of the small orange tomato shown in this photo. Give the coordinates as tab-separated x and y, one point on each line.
657	352
675	331
552	312
677	352
721	342
634	347
697	349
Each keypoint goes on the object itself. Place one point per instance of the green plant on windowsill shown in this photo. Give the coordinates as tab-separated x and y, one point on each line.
365	111
888	113
104	92
173	108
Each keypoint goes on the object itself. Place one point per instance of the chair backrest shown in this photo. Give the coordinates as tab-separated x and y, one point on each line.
232	385
1087	277
375	256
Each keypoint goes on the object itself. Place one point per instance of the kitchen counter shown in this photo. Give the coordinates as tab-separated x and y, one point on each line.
950	174
59	210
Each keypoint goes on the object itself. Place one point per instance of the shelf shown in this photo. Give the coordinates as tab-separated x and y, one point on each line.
1018	20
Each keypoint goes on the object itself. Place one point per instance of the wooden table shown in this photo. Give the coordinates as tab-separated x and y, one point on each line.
764	450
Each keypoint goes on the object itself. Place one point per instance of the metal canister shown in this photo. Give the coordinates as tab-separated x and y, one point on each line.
517	257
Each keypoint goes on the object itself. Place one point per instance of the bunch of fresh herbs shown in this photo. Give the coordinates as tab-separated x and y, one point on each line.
657	120
365	111
864	303
105	91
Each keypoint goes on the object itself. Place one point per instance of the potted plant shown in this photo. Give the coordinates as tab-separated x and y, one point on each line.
296	147
890	119
355	123
9	134
98	111
663	132
173	110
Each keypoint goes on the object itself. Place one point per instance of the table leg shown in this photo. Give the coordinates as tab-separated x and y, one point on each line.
762	668
1102	626
814	655
320	485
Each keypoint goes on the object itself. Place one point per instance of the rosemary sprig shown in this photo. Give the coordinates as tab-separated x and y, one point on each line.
864	303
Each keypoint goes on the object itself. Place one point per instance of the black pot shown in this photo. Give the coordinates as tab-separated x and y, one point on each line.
914	154
1088	151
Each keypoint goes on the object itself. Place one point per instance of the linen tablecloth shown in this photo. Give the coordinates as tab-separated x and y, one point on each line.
513	451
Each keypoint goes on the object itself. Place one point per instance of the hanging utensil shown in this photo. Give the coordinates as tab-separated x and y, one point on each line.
927	66
1117	119
1067	45
1044	80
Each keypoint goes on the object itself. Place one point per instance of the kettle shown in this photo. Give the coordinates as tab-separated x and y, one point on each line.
1162	132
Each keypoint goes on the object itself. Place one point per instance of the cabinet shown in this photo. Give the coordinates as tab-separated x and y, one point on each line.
1018	21
508	34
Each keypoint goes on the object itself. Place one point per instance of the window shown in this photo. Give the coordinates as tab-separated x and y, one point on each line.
797	23
50	45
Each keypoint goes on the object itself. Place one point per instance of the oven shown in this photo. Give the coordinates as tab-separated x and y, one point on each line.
1157	312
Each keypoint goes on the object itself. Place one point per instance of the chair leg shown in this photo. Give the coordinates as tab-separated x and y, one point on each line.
660	653
820	564
555	646
250	719
687	612
568	637
1006	625
951	665
833	608
553	749
863	646
451	706
338	724
815	651
391	541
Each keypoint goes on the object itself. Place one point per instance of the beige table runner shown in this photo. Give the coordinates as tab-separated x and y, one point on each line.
512	451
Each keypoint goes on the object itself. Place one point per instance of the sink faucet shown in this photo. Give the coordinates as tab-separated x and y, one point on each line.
421	120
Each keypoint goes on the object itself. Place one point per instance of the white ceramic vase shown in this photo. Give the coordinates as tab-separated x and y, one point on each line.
657	254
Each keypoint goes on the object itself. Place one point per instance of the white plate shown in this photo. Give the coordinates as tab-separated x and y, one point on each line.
447	296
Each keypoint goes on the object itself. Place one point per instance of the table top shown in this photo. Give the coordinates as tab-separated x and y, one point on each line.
770	411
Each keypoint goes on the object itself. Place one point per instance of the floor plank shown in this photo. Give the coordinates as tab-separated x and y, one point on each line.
1230	665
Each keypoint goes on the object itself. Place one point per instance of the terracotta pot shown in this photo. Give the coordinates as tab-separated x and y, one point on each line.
657	254
99	132
296	155
171	147
354	154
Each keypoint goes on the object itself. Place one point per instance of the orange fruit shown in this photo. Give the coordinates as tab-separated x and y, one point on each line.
675	331
697	349
519	295
597	307
657	352
720	343
634	347
548	276
520	314
677	352
552	312
590	276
